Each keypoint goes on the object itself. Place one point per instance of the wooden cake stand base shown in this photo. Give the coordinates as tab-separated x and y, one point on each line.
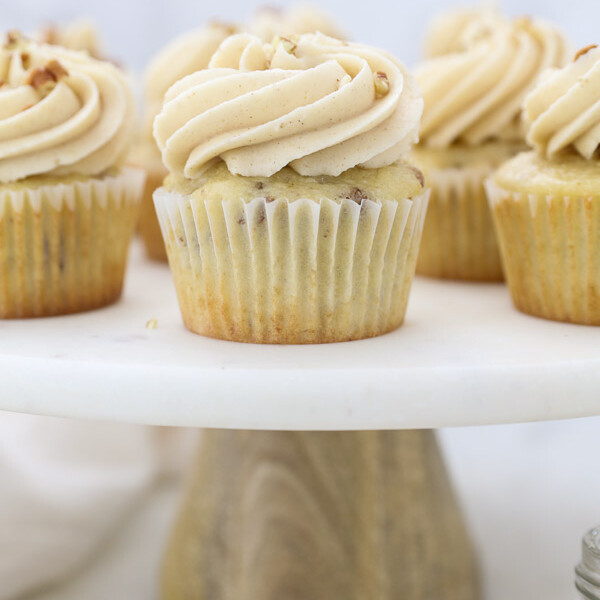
319	516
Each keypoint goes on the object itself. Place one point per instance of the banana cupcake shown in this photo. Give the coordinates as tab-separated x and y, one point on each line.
472	124
67	206
289	215
546	203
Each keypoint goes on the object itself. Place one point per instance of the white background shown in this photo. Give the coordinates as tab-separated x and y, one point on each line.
530	490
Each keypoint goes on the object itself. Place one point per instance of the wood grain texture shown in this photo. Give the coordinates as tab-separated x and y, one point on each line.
319	516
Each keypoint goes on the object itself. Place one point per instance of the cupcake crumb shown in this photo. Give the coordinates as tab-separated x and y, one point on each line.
152	323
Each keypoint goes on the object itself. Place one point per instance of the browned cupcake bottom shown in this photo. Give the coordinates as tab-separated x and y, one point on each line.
275	272
66	255
551	250
459	240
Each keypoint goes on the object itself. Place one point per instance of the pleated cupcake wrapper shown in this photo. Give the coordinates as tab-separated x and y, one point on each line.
291	272
148	225
63	247
459	241
551	251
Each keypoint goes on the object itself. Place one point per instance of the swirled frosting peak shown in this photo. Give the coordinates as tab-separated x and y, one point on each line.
563	110
76	35
269	22
61	112
476	95
456	30
312	102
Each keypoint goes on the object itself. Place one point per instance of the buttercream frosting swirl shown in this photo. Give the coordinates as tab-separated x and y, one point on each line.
269	22
476	95
76	35
61	112
314	103
563	110
456	30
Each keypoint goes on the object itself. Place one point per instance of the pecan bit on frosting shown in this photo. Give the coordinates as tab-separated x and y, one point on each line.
382	84
13	39
584	51
56	69
288	45
49	35
41	79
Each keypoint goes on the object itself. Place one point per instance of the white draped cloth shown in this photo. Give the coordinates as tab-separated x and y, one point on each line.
66	487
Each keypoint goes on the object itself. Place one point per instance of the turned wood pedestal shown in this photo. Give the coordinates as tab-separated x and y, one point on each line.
319	516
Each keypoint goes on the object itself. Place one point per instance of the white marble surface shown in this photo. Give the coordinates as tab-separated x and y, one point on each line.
464	357
529	492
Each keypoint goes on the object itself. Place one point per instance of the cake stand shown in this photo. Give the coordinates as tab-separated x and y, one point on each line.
319	476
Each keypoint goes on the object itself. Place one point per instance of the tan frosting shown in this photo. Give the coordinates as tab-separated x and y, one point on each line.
269	22
77	35
319	105
476	95
456	30
563	111
186	54
61	112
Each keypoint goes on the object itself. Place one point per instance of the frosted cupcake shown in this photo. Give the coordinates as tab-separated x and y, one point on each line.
546	204
67	207
472	124
289	216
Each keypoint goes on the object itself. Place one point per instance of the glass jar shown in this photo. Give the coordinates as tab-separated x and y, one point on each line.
588	570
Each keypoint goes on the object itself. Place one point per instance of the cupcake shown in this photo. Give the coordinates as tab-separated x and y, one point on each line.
546	203
67	207
472	124
289	215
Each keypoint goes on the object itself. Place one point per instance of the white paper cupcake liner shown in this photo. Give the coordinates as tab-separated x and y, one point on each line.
459	240
551	251
63	246
299	272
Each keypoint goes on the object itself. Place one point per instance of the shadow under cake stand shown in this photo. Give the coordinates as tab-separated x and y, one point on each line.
318	476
